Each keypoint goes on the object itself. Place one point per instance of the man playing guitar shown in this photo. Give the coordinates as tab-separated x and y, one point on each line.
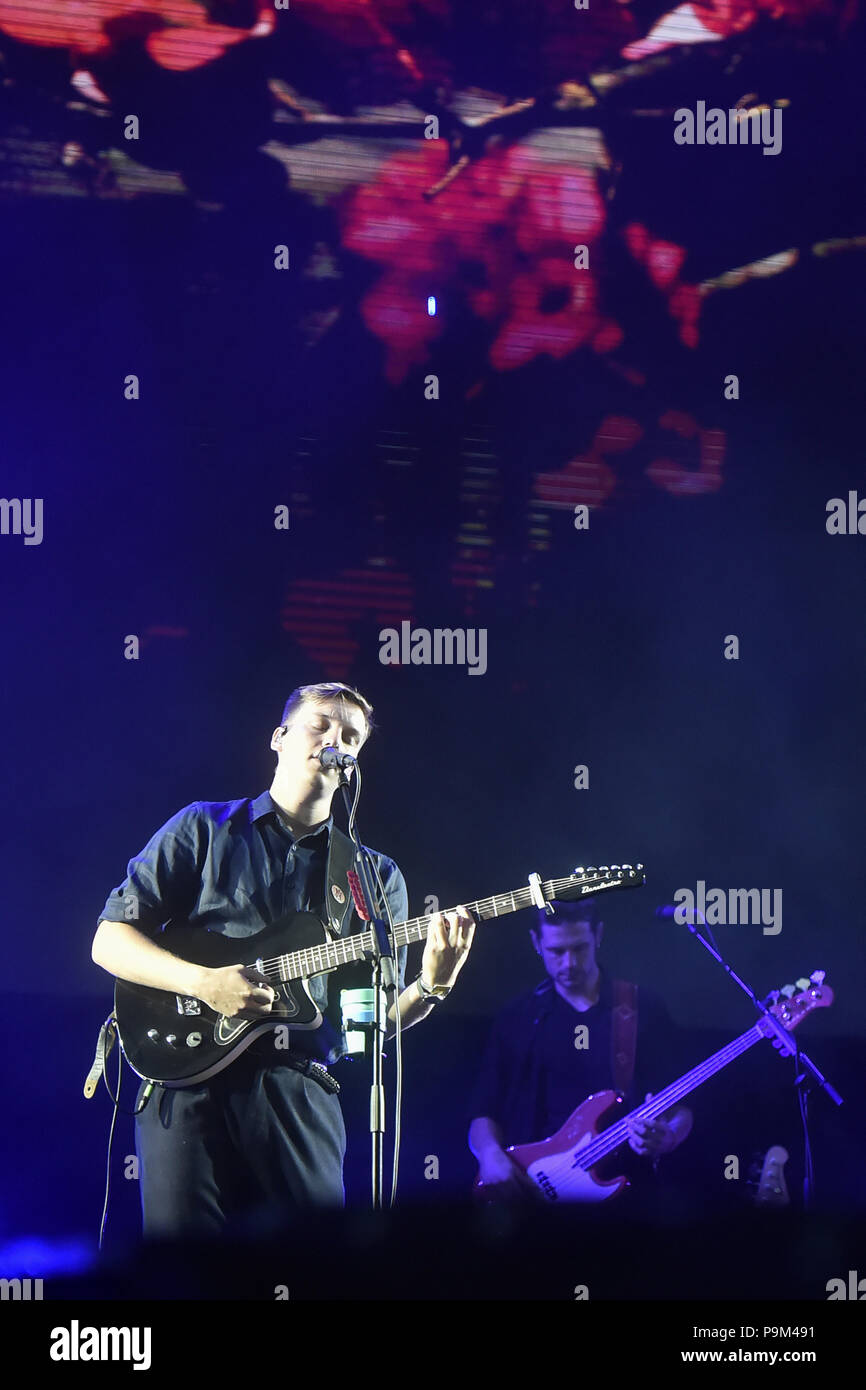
578	1033
266	1133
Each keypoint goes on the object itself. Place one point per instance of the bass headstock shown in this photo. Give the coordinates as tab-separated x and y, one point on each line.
790	1004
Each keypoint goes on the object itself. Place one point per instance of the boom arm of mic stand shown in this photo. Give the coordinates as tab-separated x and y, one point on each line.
783	1033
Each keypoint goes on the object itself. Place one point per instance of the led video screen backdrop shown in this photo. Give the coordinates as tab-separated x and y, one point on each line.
503	361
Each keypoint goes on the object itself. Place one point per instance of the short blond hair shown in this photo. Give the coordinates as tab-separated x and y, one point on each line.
328	690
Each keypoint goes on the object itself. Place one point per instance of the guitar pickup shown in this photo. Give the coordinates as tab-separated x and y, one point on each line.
189	1008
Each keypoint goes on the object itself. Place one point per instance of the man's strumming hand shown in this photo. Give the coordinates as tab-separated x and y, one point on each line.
652	1137
237	991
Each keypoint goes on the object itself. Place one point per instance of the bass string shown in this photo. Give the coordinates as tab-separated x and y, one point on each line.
618	1133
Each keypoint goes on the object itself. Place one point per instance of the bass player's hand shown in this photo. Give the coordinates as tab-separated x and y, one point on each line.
501	1177
237	991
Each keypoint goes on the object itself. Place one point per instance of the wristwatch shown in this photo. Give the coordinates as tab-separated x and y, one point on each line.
432	993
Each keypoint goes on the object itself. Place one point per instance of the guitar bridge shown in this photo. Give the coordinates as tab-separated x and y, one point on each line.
188	1008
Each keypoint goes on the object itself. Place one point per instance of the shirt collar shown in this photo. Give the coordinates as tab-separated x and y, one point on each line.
605	992
265	805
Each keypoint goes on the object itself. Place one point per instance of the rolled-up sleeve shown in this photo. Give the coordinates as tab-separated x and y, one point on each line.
162	881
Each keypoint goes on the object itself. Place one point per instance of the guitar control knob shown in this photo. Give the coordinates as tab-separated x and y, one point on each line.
152	1034
171	1039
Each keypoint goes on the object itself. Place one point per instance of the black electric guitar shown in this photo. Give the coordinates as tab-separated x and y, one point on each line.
178	1040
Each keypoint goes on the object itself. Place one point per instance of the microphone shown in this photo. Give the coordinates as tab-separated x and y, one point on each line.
329	757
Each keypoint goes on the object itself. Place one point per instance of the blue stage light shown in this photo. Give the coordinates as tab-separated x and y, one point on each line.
40	1258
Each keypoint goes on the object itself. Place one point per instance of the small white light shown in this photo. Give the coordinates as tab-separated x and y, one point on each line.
431	305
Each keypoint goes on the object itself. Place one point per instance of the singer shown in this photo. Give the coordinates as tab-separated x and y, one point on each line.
265	1135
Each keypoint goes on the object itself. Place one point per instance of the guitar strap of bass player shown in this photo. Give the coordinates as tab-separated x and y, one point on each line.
623	1034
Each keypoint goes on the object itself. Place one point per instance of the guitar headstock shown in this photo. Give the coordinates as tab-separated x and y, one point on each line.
792	1003
771	1188
584	883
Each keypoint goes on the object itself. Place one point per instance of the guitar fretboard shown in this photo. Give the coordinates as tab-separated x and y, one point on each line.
314	960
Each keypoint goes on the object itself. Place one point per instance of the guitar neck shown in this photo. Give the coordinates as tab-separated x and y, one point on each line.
313	960
617	1134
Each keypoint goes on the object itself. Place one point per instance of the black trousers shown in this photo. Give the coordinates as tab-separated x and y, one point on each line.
238	1153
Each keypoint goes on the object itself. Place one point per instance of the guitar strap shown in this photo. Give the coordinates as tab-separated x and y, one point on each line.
338	895
623	1034
104	1043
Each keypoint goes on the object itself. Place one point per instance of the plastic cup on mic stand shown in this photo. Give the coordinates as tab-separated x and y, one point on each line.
358	1011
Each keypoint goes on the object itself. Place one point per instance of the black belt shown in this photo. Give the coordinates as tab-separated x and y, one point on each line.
314	1070
298	1061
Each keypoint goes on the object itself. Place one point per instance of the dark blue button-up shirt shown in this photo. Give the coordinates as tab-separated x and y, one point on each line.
235	867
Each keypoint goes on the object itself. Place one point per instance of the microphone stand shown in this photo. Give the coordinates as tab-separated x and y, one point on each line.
384	977
807	1074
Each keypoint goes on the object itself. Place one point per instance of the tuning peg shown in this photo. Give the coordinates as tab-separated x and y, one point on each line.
817	976
803	984
626	866
580	871
604	868
772	998
614	866
788	990
592	869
